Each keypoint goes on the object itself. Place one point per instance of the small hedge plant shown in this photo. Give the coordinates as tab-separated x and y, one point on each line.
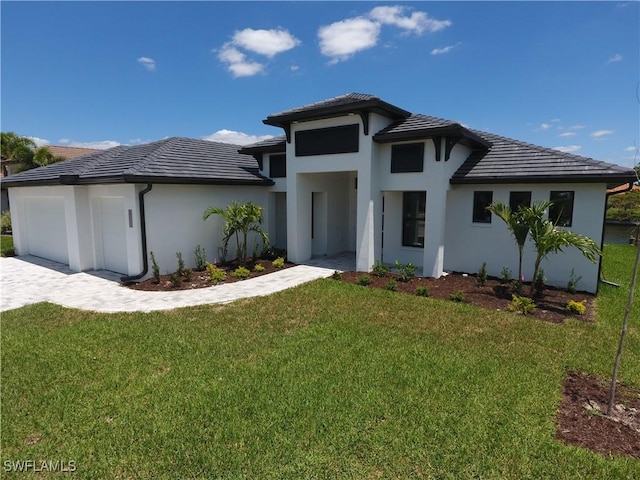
379	269
336	275
405	271
392	285
241	273
457	297
481	277
278	262
258	268
216	275
364	280
422	291
579	308
524	305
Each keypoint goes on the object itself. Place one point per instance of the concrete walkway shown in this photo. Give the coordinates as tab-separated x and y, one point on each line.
26	280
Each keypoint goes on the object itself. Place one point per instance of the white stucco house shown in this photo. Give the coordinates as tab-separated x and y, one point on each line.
351	173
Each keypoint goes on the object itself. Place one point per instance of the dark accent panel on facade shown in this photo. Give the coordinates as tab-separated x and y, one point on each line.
327	141
365	122
277	166
407	158
437	144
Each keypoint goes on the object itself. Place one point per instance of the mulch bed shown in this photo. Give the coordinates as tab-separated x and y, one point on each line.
582	421
550	305
201	280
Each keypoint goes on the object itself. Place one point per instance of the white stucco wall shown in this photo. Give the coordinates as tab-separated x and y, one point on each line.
174	221
468	245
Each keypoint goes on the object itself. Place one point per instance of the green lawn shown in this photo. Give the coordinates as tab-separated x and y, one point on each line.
6	245
327	380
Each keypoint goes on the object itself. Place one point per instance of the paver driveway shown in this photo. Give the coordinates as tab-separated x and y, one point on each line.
26	280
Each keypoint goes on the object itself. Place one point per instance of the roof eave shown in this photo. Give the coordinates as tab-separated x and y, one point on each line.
452	130
608	179
260	182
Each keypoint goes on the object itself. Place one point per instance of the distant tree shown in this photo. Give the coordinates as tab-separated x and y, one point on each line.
624	206
17	148
43	156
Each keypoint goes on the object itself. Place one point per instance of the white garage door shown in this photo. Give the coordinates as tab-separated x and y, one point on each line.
113	226
47	228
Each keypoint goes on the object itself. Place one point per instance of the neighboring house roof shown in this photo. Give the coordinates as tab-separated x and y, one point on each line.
172	160
70	152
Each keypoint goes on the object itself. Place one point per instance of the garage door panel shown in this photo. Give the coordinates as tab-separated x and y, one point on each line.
47	228
113	226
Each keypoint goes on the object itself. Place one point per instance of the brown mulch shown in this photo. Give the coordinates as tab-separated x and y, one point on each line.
197	279
582	416
550	305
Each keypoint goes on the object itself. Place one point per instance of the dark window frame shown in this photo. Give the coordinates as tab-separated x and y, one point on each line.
407	158
561	210
515	202
480	213
328	141
277	166
414	207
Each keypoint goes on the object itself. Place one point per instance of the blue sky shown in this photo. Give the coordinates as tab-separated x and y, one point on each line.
559	74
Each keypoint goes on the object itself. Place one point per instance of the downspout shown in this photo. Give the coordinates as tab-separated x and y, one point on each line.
604	219
143	233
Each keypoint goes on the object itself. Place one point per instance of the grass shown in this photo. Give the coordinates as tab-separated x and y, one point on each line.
6	246
394	386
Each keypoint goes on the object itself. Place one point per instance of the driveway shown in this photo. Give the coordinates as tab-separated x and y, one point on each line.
26	280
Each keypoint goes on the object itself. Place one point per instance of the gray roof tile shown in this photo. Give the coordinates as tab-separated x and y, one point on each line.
172	160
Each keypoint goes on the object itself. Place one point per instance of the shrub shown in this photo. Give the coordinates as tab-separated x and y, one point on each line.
272	252
422	291
379	269
258	268
180	269
457	297
538	282
505	275
216	275
278	262
364	280
579	308
186	273
481	277
241	273
175	279
5	223
405	272
201	258
336	275
524	305
392	285
155	268
573	282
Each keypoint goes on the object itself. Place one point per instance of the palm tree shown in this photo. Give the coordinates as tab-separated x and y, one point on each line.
17	148
518	223
43	156
240	220
548	238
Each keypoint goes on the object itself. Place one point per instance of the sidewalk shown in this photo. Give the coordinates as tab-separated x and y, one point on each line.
27	280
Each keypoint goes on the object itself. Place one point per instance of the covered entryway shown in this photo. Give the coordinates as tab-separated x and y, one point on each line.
46	228
110	235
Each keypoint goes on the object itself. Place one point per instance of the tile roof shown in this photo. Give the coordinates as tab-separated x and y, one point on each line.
270	145
172	160
70	152
513	161
350	102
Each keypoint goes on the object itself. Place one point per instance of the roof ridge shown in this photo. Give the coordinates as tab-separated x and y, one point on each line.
151	156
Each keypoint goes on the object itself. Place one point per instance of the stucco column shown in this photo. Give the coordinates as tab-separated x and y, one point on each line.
368	210
298	218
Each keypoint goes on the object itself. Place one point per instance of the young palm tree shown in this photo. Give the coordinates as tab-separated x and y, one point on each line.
518	223
240	220
17	148
550	239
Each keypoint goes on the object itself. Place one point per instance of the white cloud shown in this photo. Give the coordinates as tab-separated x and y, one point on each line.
235	138
555	120
417	23
630	149
545	126
342	39
600	134
616	58
265	42
100	145
569	148
148	63
64	140
237	62
40	141
576	127
443	50
568	134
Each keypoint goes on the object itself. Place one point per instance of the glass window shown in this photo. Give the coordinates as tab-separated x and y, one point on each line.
413	213
561	212
327	141
519	199
277	166
407	158
481	200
